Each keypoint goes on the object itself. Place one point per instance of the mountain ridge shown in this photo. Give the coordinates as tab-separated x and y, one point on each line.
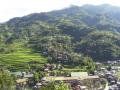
88	30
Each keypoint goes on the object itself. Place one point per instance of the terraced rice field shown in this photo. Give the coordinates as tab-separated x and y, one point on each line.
21	56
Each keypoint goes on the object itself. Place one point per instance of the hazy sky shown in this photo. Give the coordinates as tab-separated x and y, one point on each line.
16	8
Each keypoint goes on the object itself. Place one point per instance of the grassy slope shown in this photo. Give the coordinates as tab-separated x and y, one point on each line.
20	56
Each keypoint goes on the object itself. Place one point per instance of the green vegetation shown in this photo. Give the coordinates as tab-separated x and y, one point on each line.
118	75
63	37
53	86
6	80
20	56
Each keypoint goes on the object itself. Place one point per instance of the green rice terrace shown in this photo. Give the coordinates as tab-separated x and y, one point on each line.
20	56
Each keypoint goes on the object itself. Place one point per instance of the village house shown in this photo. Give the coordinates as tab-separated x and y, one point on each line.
116	68
21	83
79	74
75	80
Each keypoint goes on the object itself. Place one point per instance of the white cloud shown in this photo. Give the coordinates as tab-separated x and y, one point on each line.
16	8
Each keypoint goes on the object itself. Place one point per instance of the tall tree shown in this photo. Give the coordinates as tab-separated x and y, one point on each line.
6	81
53	86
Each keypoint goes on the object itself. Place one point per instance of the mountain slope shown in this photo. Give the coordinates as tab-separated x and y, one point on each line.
70	34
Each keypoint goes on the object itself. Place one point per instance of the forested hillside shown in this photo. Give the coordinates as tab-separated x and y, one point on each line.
68	36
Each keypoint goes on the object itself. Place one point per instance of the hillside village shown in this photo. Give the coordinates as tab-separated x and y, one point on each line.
103	78
76	48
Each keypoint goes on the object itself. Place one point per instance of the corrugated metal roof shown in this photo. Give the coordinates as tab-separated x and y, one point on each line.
28	75
68	78
21	80
79	74
17	73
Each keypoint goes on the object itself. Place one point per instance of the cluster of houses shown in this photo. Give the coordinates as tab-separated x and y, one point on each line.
50	67
75	81
104	78
22	79
110	73
113	62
